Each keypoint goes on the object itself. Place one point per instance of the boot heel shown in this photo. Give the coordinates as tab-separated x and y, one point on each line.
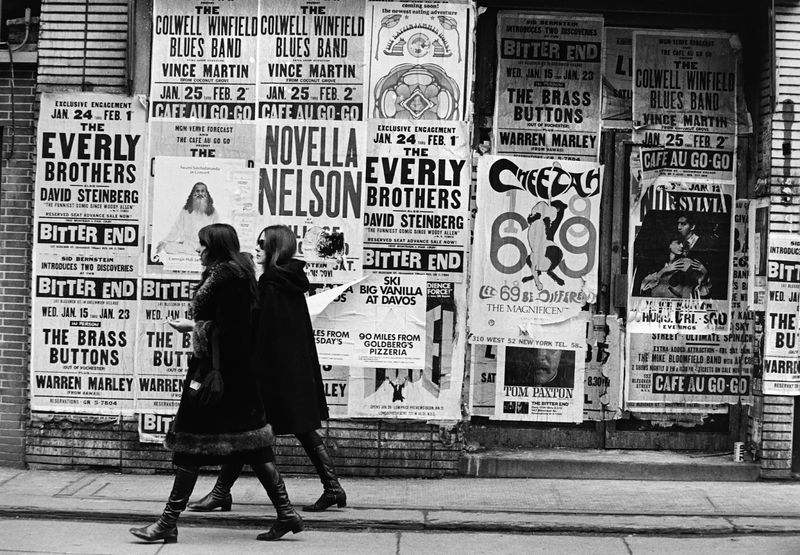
297	527
171	539
341	503
225	507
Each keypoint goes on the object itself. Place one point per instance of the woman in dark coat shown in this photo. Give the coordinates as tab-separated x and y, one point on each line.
285	359
233	428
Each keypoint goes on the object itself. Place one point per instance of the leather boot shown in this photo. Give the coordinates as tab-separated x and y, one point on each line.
333	493
288	520
166	527
220	496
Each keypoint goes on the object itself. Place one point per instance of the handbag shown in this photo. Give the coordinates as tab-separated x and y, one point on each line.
206	387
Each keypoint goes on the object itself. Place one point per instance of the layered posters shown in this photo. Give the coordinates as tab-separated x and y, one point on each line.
379	321
311	65
204	60
617	77
540	384
419	60
670	372
417	198
162	353
311	179
781	350
602	389
549	75
684	105
535	250
432	391
681	244
187	194
758	227
87	238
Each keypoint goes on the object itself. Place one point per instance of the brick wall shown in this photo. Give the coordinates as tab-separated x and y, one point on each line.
359	448
16	234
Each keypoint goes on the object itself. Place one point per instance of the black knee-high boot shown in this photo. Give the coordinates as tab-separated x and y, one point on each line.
220	496
166	527
288	520
333	493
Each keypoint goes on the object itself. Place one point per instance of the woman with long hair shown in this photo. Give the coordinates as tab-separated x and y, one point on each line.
679	276
285	360
230	425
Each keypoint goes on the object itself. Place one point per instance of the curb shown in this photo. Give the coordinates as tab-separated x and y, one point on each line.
415	520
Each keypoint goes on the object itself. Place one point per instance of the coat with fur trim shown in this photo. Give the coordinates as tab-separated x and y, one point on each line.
222	305
285	354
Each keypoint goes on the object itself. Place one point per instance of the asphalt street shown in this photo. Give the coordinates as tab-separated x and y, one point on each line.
43	536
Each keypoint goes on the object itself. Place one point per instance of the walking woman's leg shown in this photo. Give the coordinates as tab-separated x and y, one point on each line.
333	493
166	527
288	520
220	496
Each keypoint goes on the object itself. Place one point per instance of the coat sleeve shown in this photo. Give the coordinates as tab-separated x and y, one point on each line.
231	325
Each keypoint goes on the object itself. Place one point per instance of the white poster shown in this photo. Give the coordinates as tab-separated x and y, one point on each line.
540	384
311	178
188	194
204	60
417	189
432	392
420	60
336	387
311	60
379	321
88	201
684	105
781	349
548	85
535	252
162	353
602	390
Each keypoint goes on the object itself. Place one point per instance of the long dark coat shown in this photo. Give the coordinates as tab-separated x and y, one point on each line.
237	426
284	352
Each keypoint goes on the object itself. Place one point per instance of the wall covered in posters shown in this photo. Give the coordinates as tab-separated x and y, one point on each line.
272	128
350	123
602	375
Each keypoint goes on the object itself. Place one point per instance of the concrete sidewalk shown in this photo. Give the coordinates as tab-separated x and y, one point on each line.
459	504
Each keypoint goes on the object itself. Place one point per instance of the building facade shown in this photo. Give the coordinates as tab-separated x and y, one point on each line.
502	81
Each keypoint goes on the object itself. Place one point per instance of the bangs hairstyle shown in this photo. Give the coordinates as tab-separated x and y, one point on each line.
222	245
279	245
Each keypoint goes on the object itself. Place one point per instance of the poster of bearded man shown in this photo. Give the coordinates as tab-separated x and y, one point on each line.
188	194
536	244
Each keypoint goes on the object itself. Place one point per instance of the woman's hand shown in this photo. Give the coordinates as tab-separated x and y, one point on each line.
182	324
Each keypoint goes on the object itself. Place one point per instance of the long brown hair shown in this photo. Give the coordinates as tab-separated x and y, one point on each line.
279	245
222	245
